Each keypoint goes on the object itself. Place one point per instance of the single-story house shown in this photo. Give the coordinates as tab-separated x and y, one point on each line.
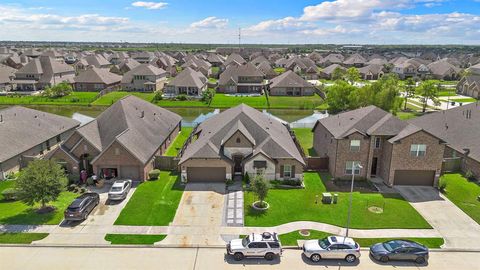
96	79
290	84
188	82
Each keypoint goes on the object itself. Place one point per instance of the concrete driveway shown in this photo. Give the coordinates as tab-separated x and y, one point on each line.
456	227
93	229
199	216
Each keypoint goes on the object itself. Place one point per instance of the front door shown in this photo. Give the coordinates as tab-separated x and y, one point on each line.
374	166
237	168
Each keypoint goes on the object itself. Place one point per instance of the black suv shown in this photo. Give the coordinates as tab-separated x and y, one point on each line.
81	207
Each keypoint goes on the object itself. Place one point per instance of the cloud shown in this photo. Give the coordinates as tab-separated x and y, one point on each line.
210	23
287	24
150	5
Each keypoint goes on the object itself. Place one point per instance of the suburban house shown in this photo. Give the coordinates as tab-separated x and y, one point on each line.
241	140
144	78
395	151
188	82
42	72
125	66
27	134
333	58
198	64
411	68
122	142
267	70
6	77
469	85
372	72
96	79
460	129
327	72
355	60
444	70
241	79
234	58
290	84
97	60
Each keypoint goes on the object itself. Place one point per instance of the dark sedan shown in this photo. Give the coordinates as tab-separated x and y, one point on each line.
399	250
81	207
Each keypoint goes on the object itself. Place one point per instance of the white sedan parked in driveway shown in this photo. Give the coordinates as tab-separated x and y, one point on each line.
119	190
332	247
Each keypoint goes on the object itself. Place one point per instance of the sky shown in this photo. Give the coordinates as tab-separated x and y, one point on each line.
259	21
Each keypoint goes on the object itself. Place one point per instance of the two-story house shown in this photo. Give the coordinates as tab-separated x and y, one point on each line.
241	140
144	78
245	79
370	142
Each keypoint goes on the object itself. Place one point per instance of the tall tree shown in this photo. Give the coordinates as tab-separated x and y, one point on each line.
409	91
428	91
338	74
41	181
260	188
352	75
59	90
342	96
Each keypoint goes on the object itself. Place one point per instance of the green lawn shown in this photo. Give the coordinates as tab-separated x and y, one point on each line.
134	239
21	238
305	137
288	205
459	100
447	93
181	103
177	144
154	203
303	102
279	70
290	239
112	97
408	115
16	212
224	101
75	98
215	70
464	194
212	80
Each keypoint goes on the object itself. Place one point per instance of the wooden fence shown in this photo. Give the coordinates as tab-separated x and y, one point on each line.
166	163
317	163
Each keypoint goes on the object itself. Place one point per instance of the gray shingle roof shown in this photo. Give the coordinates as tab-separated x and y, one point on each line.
97	75
189	78
23	128
269	135
289	79
123	122
143	70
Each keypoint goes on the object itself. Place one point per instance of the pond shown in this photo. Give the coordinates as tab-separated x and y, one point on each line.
188	114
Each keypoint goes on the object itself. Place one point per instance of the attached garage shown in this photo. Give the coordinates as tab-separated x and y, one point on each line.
414	178
206	174
130	172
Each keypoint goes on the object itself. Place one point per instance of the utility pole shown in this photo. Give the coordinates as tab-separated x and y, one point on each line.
239	38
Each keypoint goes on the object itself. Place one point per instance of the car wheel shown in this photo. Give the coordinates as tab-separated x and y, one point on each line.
315	258
420	260
269	256
238	256
350	258
384	259
85	216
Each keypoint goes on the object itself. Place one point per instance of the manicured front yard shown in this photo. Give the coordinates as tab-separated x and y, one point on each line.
303	102
112	97
21	238
464	194
154	203
305	137
177	144
461	100
227	101
408	115
288	205
290	239
134	239
181	103
16	212
75	98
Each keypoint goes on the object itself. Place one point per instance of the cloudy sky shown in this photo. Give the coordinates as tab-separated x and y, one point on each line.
260	21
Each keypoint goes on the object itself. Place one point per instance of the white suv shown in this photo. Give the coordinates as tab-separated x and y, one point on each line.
265	245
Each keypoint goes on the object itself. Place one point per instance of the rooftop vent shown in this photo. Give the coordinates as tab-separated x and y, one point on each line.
142	114
1	118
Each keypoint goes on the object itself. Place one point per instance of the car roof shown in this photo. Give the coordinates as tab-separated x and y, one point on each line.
119	182
264	237
341	240
80	199
408	243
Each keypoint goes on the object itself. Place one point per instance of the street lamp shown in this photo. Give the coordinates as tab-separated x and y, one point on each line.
354	166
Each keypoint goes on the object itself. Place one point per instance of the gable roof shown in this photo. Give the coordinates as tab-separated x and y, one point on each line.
143	70
289	79
23	128
139	126
269	135
97	75
189	78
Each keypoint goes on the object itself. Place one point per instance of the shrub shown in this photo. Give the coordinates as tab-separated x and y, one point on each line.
10	194
470	176
73	178
90	181
246	178
158	96
72	187
154	174
82	190
75	99
291	182
182	97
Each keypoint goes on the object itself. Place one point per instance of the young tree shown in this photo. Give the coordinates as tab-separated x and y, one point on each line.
41	181
352	75
260	188
338	74
59	90
342	96
409	91
428	91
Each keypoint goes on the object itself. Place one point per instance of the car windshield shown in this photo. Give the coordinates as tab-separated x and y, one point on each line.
73	209
324	243
116	189
246	241
391	245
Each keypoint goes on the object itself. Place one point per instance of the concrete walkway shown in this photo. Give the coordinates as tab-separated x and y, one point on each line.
234	205
456	227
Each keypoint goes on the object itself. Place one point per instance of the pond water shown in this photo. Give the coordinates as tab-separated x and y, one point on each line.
188	114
